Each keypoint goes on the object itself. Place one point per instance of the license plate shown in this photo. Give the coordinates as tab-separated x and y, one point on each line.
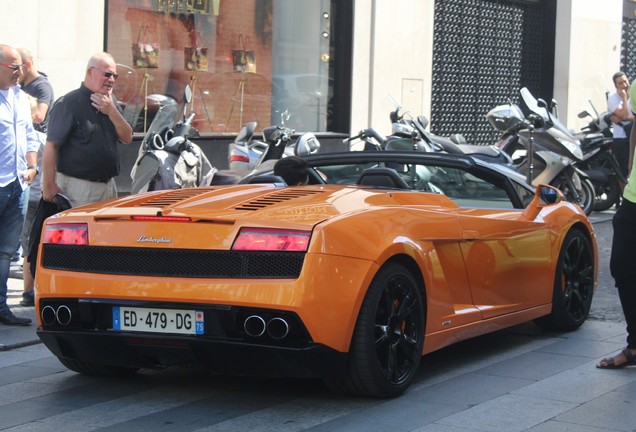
180	321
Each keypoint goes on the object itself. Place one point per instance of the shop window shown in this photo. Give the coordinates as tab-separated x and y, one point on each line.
245	60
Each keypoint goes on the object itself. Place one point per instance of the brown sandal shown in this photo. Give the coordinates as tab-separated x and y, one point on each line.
608	363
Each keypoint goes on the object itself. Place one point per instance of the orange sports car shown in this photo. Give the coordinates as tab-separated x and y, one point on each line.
382	258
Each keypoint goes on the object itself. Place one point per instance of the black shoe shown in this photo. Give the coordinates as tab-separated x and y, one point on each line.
27	301
7	318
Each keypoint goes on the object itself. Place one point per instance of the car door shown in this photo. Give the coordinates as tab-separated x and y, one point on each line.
507	261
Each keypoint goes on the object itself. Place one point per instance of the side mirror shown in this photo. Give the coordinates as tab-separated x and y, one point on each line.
549	194
544	196
583	114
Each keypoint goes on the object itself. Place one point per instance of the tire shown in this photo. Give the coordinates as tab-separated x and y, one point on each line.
573	285
387	342
607	195
90	368
584	197
588	196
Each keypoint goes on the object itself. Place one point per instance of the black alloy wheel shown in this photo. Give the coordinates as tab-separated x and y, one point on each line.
573	284
388	338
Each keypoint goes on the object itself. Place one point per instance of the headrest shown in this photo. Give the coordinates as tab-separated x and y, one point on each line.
382	177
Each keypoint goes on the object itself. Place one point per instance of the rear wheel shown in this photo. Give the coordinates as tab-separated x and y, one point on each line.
388	337
607	194
90	368
573	285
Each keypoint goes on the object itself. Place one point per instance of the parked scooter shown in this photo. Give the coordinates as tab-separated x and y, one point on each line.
167	159
243	149
543	149
246	154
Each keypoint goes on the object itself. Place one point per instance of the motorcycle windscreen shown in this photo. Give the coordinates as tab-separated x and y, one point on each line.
164	119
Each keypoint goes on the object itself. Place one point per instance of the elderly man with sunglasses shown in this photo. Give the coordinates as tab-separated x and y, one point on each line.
80	158
18	160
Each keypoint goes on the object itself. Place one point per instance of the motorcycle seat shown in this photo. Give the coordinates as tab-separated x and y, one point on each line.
469	149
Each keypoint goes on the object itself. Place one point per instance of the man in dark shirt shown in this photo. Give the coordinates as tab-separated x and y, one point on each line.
80	158
36	84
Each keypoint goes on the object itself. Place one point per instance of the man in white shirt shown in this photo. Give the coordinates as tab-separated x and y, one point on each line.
18	167
619	105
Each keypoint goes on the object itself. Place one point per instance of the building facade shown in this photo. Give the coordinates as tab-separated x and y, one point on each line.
335	65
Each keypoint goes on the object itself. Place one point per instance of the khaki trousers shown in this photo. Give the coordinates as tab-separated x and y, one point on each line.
81	192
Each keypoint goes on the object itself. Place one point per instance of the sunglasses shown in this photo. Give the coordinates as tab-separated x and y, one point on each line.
14	68
107	74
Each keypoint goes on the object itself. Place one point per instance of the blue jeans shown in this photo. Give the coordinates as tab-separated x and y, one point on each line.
24	204
11	220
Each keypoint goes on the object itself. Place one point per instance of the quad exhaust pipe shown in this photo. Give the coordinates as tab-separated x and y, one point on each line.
256	326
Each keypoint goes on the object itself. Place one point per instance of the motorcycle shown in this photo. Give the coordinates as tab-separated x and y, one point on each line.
599	162
543	149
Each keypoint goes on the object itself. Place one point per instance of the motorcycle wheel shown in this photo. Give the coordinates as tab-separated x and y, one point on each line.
584	198
607	194
587	196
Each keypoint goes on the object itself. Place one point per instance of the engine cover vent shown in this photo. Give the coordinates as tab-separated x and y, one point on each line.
275	198
174	197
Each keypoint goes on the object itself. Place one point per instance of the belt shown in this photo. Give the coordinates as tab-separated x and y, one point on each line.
94	180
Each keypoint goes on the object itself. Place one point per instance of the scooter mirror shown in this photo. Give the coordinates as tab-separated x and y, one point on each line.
187	94
187	98
583	114
542	104
554	107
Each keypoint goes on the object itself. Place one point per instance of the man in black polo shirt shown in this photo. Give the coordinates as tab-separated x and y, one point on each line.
80	159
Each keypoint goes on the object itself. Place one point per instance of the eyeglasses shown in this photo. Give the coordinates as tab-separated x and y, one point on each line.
13	67
107	74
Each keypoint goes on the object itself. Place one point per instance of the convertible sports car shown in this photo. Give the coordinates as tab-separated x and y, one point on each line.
383	257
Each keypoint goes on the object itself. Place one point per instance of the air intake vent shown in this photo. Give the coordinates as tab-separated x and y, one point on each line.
275	198
174	197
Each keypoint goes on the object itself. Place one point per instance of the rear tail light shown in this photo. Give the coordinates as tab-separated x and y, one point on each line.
239	158
66	233
264	239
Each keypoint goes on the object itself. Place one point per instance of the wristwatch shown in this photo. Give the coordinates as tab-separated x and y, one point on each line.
34	167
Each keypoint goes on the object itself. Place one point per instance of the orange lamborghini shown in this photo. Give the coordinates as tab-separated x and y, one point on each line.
382	258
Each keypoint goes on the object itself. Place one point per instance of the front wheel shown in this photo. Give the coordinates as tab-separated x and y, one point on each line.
388	337
581	194
573	285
